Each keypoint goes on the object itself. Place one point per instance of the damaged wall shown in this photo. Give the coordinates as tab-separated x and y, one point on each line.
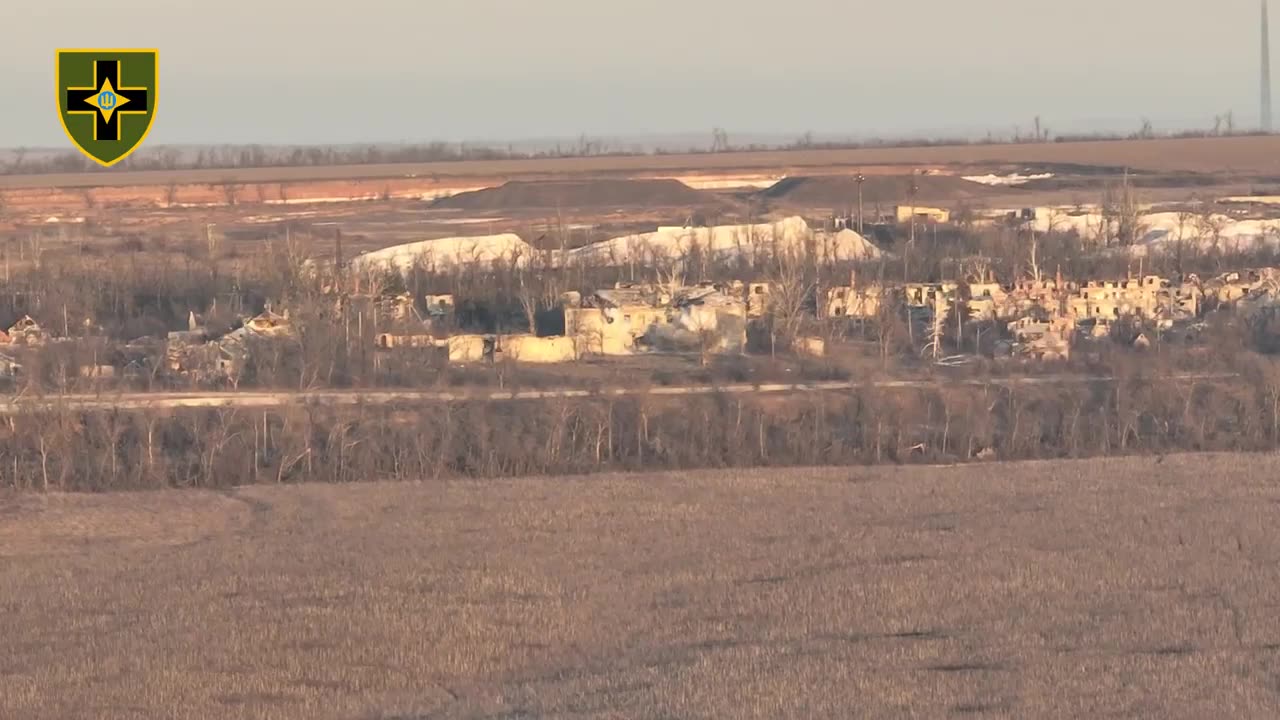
533	349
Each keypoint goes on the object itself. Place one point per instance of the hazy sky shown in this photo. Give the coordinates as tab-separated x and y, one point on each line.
414	70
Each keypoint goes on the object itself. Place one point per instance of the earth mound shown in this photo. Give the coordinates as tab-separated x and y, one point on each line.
841	191
578	194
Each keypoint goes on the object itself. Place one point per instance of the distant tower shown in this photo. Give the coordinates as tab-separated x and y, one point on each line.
1266	70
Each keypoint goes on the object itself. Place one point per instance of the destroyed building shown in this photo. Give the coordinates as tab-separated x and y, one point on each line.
440	311
1031	296
855	300
1151	298
1093	328
269	324
629	319
907	213
1229	288
759	297
987	302
398	308
533	349
705	320
465	349
26	331
1042	338
200	356
612	321
207	362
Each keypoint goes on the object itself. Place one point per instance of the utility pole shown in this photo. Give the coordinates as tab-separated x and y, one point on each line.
915	188
911	241
859	180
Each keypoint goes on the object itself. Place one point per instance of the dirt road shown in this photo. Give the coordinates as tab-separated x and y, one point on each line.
260	399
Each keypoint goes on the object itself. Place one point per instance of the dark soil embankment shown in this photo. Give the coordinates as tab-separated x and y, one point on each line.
839	191
580	194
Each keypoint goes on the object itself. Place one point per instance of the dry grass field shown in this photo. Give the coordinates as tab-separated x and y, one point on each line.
1104	588
1244	155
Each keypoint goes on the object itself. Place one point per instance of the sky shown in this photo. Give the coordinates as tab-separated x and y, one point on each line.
319	71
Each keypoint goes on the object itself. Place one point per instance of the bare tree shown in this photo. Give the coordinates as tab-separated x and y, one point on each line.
670	271
1122	214
1186	221
889	328
790	288
1053	219
1210	225
534	294
709	340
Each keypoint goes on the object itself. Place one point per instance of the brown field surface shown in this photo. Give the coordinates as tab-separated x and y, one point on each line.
1108	588
1245	155
1171	170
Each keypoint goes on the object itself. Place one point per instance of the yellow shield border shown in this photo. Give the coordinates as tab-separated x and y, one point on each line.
57	84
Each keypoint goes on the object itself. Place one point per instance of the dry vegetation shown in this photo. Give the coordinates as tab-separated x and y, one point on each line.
1137	587
62	449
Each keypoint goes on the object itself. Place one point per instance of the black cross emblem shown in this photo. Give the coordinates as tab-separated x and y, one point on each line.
107	100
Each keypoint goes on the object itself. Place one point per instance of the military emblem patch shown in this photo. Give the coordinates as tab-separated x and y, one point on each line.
107	100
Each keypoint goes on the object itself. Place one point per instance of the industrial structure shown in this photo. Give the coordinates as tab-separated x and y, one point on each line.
1266	70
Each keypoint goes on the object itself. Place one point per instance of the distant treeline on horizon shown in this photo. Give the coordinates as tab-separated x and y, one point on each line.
25	161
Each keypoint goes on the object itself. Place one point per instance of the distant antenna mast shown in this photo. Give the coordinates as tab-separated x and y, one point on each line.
1266	70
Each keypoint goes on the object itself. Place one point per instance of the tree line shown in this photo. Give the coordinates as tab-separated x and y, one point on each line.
100	451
